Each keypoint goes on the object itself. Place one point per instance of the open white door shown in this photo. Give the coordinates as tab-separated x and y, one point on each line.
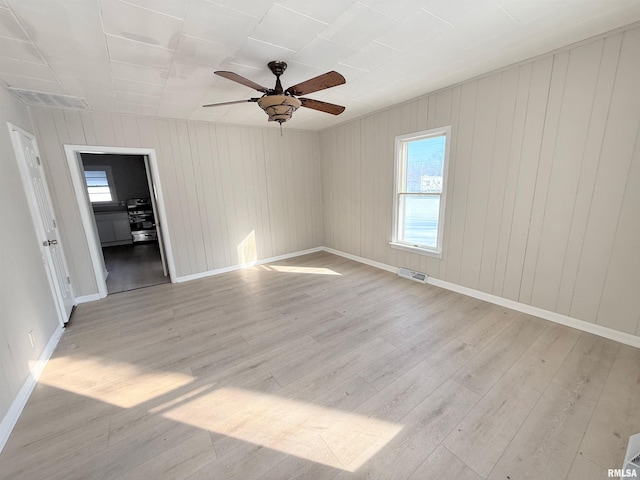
37	192
156	215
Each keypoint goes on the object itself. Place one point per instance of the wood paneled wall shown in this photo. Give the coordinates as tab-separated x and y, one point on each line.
221	185
543	201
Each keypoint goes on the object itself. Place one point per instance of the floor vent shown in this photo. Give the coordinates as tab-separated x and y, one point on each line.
632	458
413	275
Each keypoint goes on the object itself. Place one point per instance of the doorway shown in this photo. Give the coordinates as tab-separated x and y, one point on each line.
119	190
120	201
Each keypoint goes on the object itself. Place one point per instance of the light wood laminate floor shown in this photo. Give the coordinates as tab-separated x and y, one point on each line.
322	368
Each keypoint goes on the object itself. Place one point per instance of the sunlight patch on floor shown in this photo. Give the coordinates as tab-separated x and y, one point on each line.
332	437
311	270
118	383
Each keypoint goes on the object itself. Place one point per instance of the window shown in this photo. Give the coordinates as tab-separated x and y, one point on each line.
100	187
420	186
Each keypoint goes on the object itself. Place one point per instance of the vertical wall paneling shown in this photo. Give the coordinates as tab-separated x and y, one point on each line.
459	189
551	121
86	119
513	172
199	138
219	184
221	233
542	200
451	172
571	129
529	157
105	134
118	130
480	172
588	170
75	129
620	304
620	136
499	170
130	131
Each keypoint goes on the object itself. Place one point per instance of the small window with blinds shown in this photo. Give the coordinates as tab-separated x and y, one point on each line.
100	185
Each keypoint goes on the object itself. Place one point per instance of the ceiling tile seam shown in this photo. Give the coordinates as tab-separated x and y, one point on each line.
378	11
29	77
33	44
135	41
182	34
109	60
245	66
301	14
356	68
508	14
28	42
388	46
227	7
173	60
138	94
271	44
136	65
437	17
24	61
137	81
150	9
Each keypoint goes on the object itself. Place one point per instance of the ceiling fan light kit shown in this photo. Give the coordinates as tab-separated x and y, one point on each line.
279	104
279	107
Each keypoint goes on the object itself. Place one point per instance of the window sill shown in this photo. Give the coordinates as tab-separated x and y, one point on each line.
418	250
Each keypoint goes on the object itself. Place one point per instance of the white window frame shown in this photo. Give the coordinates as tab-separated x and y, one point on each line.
111	183
401	142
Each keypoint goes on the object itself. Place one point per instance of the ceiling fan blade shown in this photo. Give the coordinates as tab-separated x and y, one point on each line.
230	103
321	82
331	108
244	81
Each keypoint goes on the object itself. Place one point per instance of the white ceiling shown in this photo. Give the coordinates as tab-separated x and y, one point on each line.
157	57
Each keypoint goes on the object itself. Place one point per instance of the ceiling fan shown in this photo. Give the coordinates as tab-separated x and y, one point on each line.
280	104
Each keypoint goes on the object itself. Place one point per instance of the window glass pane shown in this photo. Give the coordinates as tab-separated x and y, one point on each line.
98	186
424	164
419	220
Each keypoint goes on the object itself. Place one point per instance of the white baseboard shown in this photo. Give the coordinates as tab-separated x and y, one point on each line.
233	268
366	261
596	329
88	298
13	414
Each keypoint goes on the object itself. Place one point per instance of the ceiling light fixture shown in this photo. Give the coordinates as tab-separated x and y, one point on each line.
279	107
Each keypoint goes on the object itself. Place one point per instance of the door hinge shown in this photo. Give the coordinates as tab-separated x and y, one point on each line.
38	159
55	225
68	280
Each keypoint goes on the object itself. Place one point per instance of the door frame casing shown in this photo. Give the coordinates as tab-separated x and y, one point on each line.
37	219
74	162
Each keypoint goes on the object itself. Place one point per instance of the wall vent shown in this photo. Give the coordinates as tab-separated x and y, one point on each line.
413	275
41	99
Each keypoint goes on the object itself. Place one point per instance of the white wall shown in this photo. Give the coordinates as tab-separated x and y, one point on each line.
220	184
26	302
543	203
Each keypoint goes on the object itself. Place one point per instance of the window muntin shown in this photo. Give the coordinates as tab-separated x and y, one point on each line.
421	165
99	182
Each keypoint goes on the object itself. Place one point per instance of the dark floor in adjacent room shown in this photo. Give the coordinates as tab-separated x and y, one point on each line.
133	266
